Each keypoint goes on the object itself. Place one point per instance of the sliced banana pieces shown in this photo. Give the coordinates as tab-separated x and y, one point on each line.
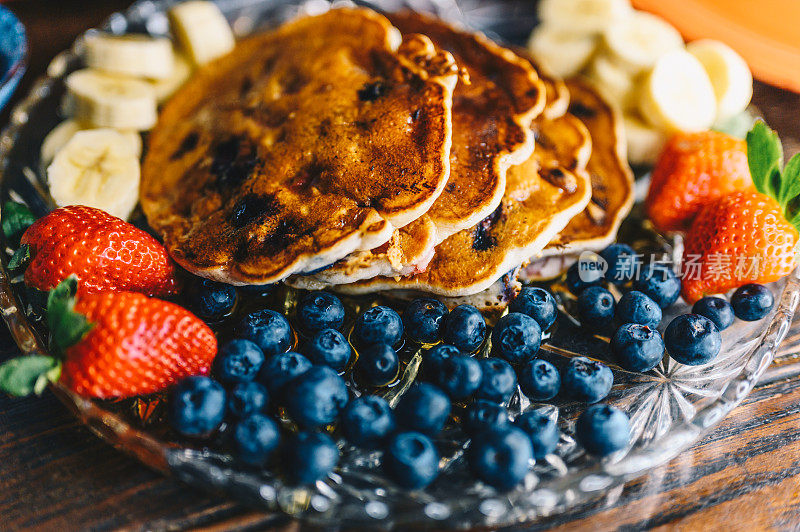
98	168
583	16
638	41
63	132
644	141
130	55
729	74
563	54
202	30
111	101
616	83
165	88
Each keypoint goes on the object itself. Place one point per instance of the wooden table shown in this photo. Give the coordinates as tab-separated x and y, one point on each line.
55	475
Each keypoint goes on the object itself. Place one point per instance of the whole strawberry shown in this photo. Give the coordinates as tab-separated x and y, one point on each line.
104	252
114	345
694	169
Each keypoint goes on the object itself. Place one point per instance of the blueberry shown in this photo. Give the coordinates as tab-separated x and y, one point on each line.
595	308
623	263
423	320
692	339
578	281
659	283
282	368
247	398
378	325
537	303
541	429
433	360
256	438
516	338
320	310
268	330
377	364
316	398
637	347
310	456
603	429
500	458
464	328
367	421
636	307
587	380
539	380
424	408
499	381
238	361
482	415
752	302
411	460
328	347
209	300
717	310
459	377
197	406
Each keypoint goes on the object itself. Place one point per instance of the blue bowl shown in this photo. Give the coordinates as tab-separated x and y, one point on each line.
13	54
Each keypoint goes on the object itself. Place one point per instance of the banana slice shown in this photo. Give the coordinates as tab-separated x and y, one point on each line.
165	88
111	101
130	55
63	132
638	41
202	30
563	54
96	168
729	74
644	142
677	94
583	16
615	82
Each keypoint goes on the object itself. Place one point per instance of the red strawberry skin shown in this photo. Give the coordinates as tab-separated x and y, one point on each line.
103	251
137	346
738	239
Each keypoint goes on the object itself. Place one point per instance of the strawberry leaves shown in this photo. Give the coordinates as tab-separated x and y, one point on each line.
66	326
26	375
15	220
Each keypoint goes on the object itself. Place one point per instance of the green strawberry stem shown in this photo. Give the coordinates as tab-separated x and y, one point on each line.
15	220
23	376
20	258
67	327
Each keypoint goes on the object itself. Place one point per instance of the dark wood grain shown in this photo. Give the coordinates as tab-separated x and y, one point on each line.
56	475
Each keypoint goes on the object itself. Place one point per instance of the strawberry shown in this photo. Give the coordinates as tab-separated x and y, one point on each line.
694	169
747	236
113	345
104	252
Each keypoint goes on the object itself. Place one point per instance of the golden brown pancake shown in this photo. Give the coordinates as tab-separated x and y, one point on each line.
300	147
557	94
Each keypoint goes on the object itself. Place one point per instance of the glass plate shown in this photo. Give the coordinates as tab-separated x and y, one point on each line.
670	407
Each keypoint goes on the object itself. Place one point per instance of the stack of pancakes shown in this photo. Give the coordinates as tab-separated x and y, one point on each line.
366	153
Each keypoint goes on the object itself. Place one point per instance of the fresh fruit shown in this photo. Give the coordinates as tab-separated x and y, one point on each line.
716	309
623	263
435	358
17	218
106	100
677	94
516	338
378	325
320	310
280	369
328	347
615	82
586	380
578	280
247	398
638	41
637	347
238	361
96	168
310	456
377	365
459	377
584	16
729	74
423	408
133	54
752	302
644	141
411	460
423	320
482	415
500	458
181	72
202	30
210	300
659	283
315	398
541	429
464	328
562	53
695	169
692	339
63	133
256	439
603	429
368	421
197	406
595	308
499	382
636	307
537	303
539	380
267	329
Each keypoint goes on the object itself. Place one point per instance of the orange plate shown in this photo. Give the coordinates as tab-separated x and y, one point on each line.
765	32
